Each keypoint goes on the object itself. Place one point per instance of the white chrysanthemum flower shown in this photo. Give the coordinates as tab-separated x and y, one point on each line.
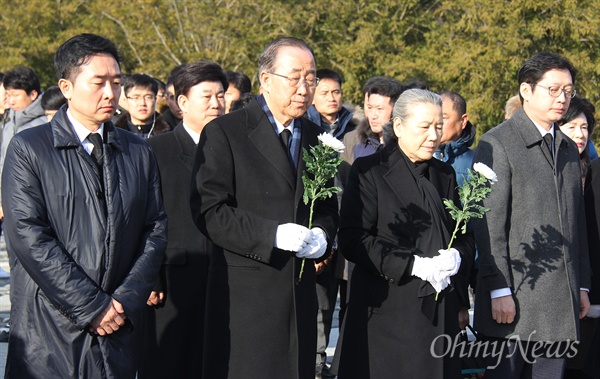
485	171
332	142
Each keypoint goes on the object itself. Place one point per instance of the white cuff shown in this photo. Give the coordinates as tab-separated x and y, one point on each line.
584	289
500	292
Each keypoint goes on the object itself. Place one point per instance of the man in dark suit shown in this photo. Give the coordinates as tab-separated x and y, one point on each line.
247	198
534	267
176	326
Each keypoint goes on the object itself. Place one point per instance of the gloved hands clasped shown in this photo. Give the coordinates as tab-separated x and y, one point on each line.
437	270
306	243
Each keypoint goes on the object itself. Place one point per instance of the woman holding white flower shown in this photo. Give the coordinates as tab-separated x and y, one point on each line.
395	228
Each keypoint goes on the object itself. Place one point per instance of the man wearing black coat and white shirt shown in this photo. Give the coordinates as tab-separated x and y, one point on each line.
176	325
85	228
247	198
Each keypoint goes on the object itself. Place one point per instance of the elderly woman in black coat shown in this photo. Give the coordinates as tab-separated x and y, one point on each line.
395	228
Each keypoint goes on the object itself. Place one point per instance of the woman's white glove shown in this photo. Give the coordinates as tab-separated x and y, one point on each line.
437	270
316	247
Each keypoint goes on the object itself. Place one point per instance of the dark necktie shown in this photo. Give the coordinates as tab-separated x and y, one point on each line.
286	136
549	142
98	151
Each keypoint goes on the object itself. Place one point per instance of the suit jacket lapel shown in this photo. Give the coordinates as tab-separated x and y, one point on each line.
267	142
529	134
187	147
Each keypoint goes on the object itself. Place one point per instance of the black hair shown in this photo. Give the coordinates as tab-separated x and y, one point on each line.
78	50
415	84
52	99
160	85
327	73
193	73
240	103
141	81
459	104
239	80
383	86
173	74
22	78
577	106
534	69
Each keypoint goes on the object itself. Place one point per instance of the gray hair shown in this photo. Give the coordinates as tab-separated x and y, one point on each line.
267	58
403	109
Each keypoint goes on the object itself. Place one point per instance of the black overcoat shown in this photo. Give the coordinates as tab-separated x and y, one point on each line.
385	332
259	323
175	333
72	246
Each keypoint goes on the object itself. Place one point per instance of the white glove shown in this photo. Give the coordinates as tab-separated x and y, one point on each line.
594	311
437	270
317	246
292	237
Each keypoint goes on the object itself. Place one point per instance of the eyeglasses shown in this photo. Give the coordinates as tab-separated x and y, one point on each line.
145	98
297	82
555	91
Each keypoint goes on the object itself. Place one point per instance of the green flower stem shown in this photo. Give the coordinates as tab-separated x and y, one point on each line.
310	217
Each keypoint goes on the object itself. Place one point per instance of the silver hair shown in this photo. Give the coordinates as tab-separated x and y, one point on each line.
268	57
403	108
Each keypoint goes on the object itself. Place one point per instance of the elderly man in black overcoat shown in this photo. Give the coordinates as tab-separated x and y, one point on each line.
247	198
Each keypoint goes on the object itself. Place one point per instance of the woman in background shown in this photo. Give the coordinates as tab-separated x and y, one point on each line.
578	124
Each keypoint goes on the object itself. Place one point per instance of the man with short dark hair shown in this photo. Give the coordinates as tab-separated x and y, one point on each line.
380	94
172	115
23	96
327	110
85	228
141	117
458	134
239	85
533	259
176	327
247	198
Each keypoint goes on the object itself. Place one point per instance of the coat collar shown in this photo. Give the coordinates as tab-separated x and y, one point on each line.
187	147
64	135
267	142
531	136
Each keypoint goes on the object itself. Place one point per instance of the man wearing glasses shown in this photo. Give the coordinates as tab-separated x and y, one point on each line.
141	118
247	198
533	259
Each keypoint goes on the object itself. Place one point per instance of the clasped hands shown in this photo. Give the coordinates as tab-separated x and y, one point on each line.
437	270
306	243
110	320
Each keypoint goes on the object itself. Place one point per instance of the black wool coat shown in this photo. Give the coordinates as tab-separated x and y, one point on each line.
176	329
259	323
385	332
